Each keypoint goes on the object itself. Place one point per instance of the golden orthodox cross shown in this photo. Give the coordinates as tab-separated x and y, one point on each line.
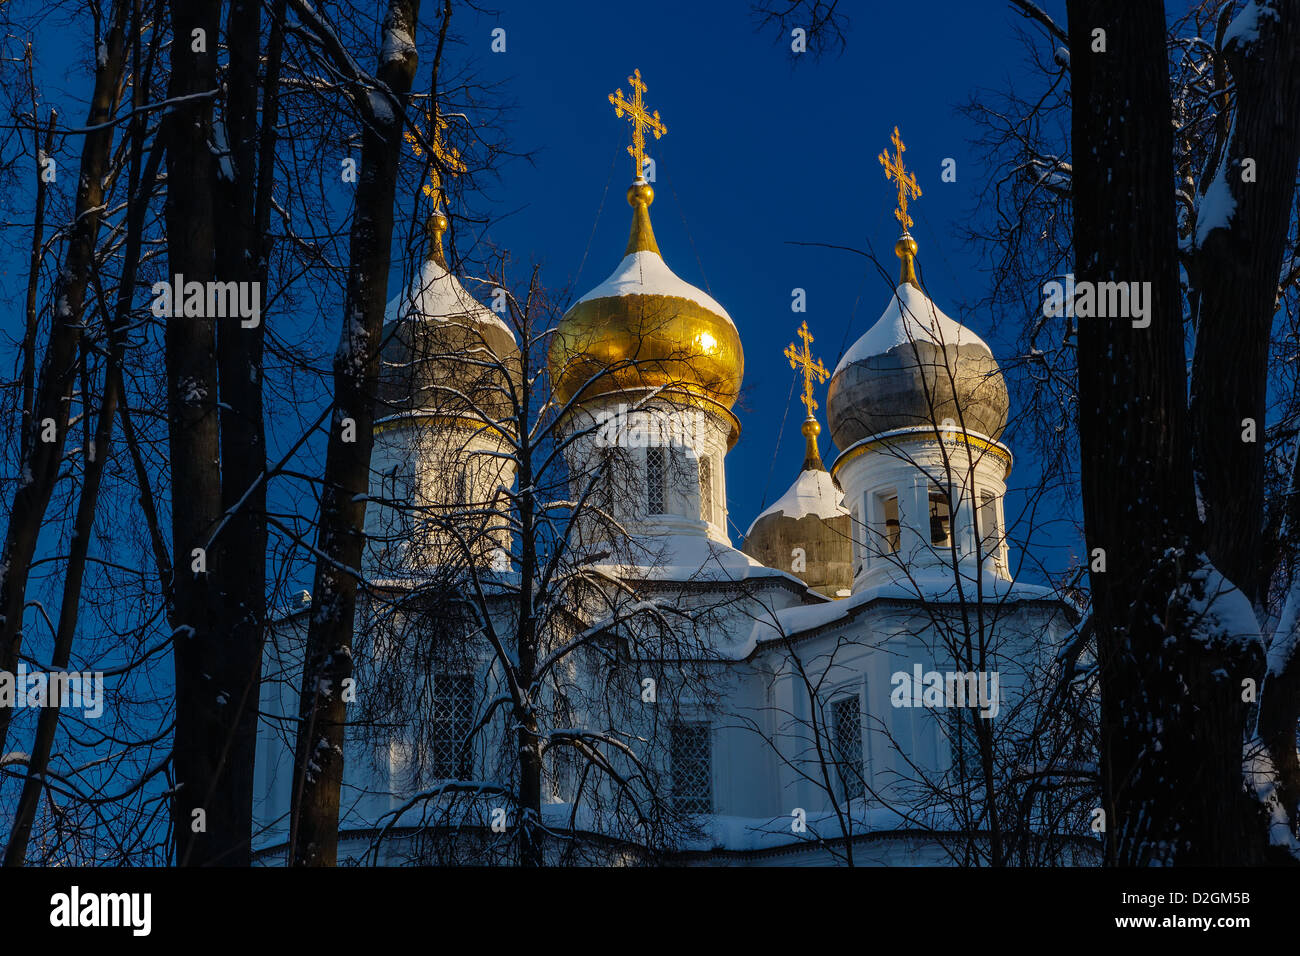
812	368
640	119
906	181
444	157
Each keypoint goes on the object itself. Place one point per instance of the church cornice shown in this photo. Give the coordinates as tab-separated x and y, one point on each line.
899	436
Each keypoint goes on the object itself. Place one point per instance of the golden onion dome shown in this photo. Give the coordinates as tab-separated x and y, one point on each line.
644	327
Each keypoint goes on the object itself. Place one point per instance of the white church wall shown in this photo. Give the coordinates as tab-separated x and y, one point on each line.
910	466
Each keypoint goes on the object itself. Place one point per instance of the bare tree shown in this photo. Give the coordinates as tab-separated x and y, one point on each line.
51	403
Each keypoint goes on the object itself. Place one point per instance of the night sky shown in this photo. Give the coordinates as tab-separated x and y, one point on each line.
761	152
764	150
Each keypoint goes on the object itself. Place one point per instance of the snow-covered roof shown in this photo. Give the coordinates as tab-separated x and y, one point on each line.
694	557
751	834
435	293
717	831
910	317
646	273
932	585
813	493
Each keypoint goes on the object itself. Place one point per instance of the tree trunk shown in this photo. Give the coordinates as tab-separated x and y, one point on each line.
239	549
1236	272
1171	713
33	288
210	811
318	765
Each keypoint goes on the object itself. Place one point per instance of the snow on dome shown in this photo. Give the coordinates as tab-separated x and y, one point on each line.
444	350
435	293
911	317
646	273
915	368
644	328
813	493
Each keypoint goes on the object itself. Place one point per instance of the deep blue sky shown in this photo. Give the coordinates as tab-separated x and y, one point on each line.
760	152
763	149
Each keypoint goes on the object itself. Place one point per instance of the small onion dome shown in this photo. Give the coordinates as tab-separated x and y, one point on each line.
807	532
444	353
643	327
915	367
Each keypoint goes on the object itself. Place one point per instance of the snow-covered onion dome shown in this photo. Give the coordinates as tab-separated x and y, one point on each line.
444	353
915	367
644	328
807	531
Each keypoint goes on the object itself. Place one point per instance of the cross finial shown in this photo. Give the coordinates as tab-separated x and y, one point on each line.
812	368
640	119
906	181
444	157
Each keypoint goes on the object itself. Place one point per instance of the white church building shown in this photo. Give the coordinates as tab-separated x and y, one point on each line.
855	672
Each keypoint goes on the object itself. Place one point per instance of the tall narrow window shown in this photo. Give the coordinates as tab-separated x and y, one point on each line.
963	744
462	487
846	728
453	716
656	477
889	507
563	759
388	483
940	518
990	533
855	530
397	488
611	481
691	758
706	488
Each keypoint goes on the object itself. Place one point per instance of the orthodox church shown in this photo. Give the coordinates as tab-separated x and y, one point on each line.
848	678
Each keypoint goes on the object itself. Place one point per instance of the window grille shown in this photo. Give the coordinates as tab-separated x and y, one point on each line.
453	717
656	471
692	771
846	728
